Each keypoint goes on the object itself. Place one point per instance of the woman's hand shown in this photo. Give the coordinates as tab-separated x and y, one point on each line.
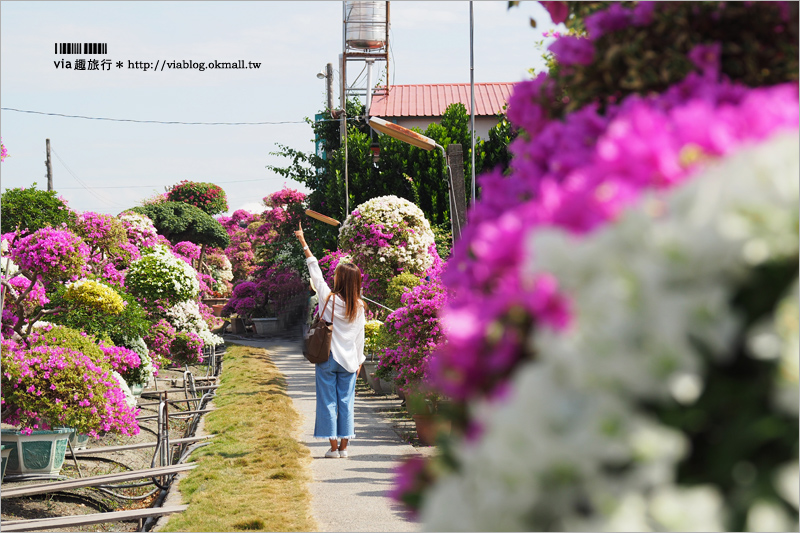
302	239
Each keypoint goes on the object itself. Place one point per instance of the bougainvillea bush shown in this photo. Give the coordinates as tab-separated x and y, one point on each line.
107	239
414	333
273	291
187	317
221	271
99	309
206	196
48	386
242	227
186	349
634	319
51	254
42	259
139	228
160	276
385	236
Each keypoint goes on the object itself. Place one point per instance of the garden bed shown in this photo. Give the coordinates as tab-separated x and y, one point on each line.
91	500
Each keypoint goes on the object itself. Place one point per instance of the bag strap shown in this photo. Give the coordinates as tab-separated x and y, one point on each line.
322	313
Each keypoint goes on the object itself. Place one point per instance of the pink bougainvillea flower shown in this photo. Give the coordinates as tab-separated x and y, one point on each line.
559	11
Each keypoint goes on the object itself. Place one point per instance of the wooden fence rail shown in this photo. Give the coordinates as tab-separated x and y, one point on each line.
58	522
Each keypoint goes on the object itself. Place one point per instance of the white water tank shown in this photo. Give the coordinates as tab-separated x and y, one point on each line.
365	25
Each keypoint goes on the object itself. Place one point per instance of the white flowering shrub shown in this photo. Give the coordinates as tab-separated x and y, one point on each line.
575	445
387	235
159	275
140	229
7	267
147	369
185	316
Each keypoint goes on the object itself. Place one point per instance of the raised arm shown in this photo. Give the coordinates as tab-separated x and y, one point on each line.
313	269
302	239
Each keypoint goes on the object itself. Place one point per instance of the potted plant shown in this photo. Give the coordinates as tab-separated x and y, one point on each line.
384	236
6	451
372	344
424	406
271	295
412	333
50	391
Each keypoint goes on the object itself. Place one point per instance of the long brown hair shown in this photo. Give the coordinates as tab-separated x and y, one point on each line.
347	284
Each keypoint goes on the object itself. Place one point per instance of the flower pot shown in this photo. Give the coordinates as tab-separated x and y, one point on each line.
429	426
387	387
78	441
237	325
217	308
41	452
373	382
266	326
6	451
136	389
212	302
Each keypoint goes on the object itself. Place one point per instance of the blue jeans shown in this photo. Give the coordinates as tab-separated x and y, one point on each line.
336	391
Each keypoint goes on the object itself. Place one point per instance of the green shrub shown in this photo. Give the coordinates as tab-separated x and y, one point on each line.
31	209
178	222
73	339
398	286
131	322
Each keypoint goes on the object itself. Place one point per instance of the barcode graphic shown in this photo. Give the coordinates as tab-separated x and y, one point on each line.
81	48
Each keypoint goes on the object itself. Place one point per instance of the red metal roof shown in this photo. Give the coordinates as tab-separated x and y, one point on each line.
431	100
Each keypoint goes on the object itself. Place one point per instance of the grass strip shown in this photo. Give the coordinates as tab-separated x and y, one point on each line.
254	475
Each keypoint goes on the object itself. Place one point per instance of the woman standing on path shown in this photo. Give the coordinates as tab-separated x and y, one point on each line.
336	378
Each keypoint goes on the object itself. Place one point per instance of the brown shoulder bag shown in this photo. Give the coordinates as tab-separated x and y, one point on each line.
317	342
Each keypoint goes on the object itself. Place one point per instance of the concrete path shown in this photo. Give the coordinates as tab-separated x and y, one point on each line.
347	494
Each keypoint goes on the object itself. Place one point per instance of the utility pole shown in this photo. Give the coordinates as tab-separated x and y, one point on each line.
343	95
458	194
49	166
472	98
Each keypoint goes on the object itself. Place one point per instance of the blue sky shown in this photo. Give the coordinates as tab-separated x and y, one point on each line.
110	166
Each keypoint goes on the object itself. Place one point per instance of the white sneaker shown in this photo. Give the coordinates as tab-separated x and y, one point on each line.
334	454
343	454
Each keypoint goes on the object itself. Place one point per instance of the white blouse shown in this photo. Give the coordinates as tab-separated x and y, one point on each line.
347	340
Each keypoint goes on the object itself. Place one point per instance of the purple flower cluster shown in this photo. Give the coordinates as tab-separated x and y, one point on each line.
97	230
416	326
617	17
186	349
120	358
159	340
571	50
269	295
578	174
49	386
51	253
187	251
36	294
285	196
139	234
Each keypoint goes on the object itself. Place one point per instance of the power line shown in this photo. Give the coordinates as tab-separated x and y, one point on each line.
166	121
83	185
147	186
